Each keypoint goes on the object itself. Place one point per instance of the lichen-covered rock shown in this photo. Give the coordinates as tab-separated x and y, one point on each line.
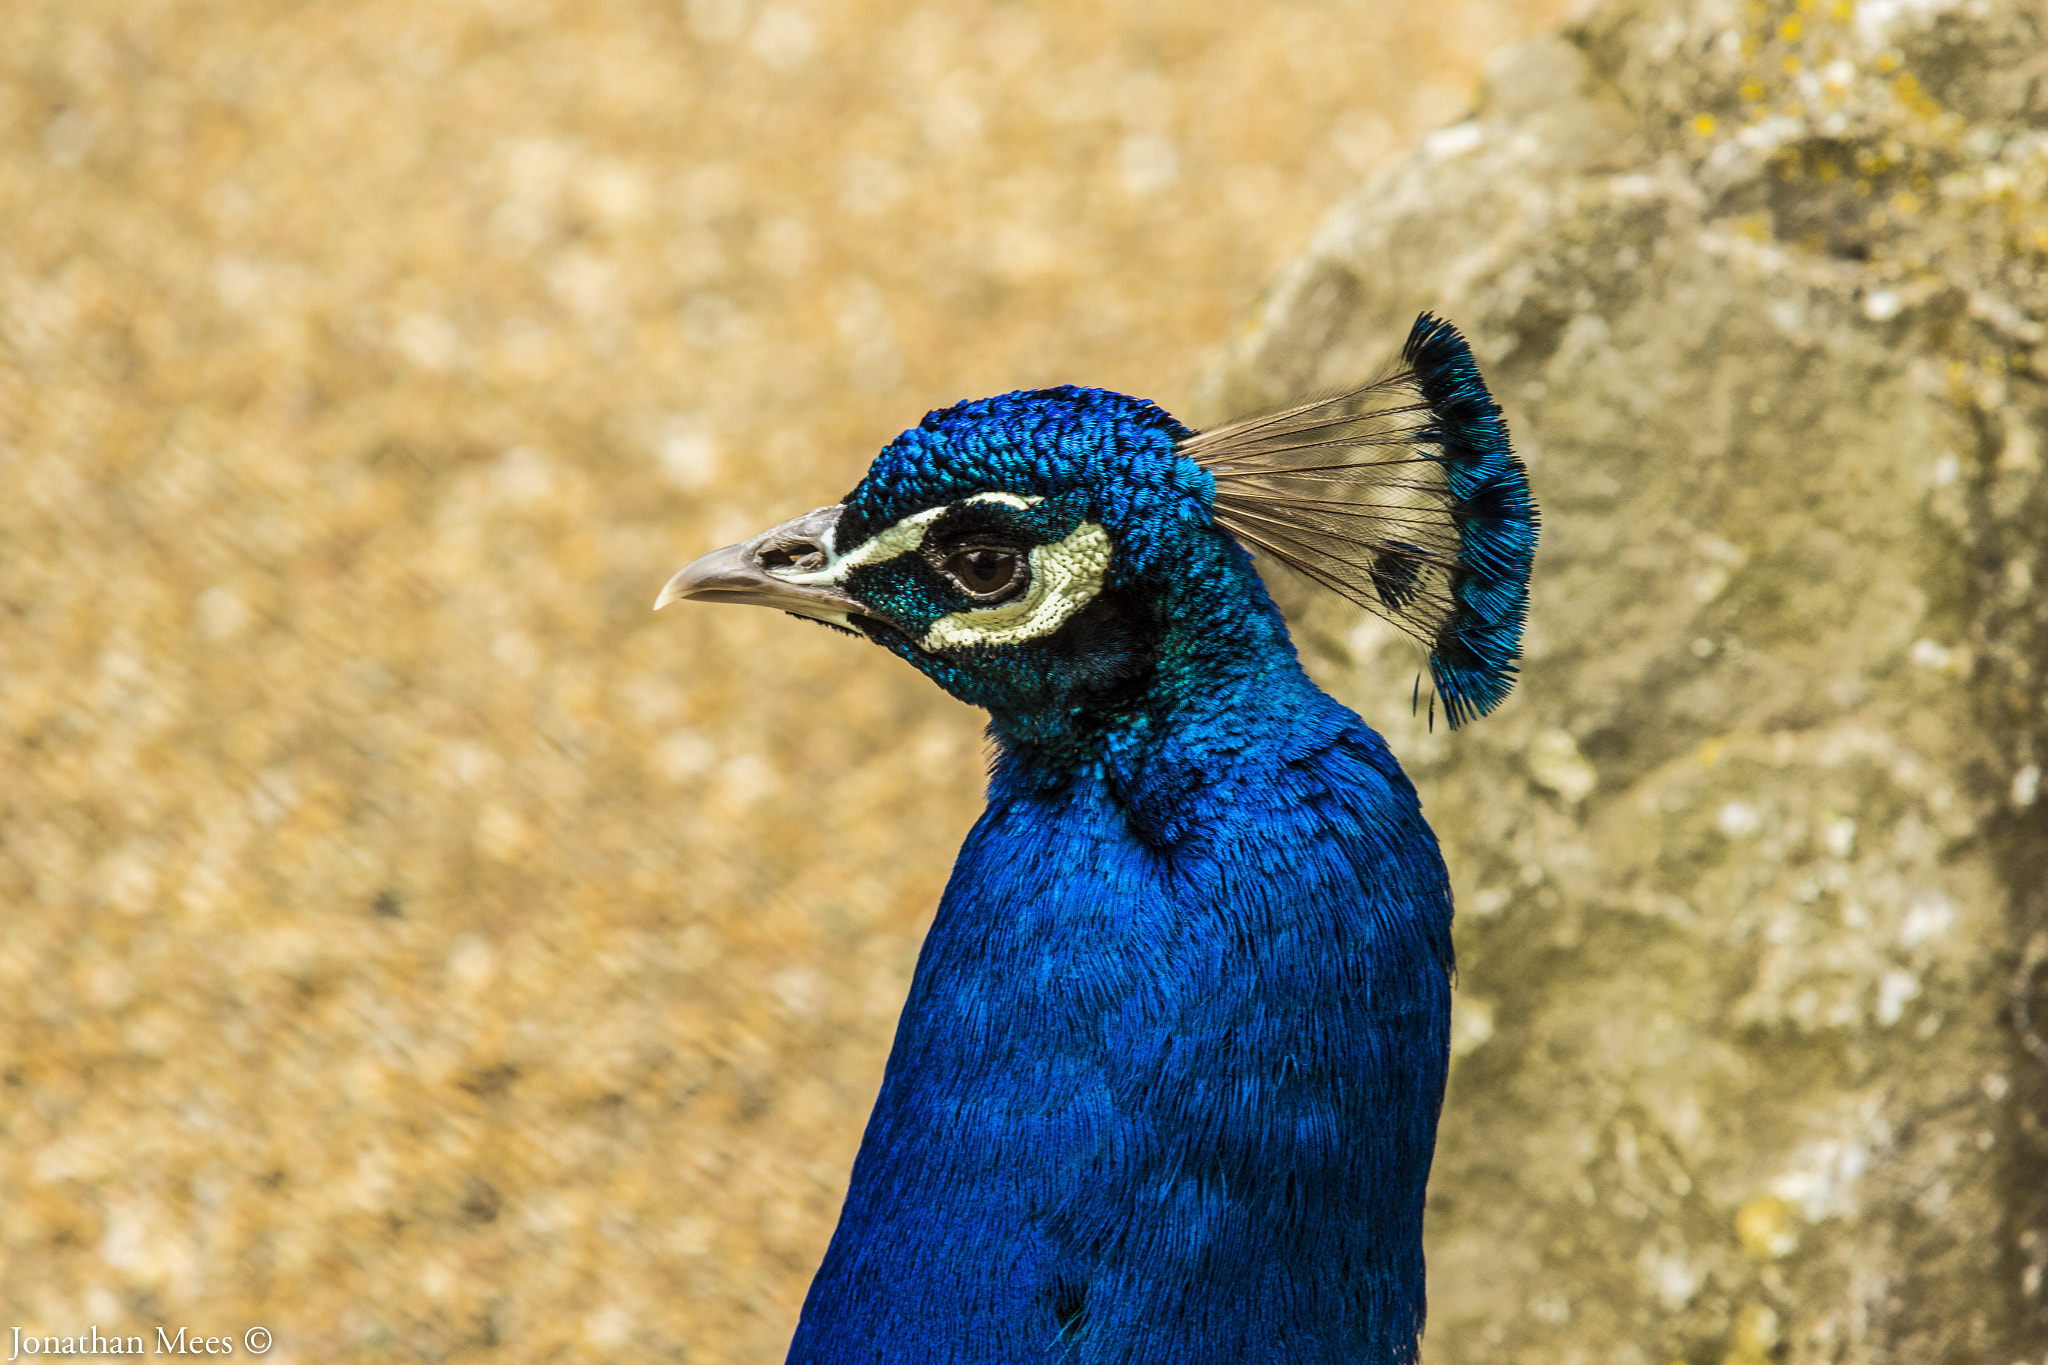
1753	920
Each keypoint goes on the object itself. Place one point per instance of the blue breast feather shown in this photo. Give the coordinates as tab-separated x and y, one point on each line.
1163	1104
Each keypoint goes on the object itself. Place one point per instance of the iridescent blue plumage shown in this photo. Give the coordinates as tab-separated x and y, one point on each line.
1473	658
1167	1082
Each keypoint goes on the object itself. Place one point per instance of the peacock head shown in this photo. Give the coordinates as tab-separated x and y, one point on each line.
1027	552
1061	556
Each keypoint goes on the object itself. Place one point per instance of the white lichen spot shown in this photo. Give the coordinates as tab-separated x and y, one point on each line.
1453	141
1926	653
1822	1180
1671	1278
1995	1087
1882	305
1840	837
1756	1333
1928	918
2026	785
1471	1024
1708	583
1555	762
1490	900
1739	820
1370	636
1554	1309
1894	989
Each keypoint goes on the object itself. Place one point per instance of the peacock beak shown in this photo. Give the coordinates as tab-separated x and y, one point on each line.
780	568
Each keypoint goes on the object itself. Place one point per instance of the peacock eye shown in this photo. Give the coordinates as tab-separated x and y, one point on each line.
987	573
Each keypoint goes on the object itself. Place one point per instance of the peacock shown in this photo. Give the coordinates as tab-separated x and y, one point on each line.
1166	1085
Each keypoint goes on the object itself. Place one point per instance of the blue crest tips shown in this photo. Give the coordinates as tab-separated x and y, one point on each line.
1403	496
1473	656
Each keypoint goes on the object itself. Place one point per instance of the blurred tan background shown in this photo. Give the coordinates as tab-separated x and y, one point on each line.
410	944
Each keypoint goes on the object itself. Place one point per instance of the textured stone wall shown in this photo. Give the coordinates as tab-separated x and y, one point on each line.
1751	905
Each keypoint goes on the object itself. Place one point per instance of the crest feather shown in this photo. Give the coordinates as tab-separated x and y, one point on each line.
1404	496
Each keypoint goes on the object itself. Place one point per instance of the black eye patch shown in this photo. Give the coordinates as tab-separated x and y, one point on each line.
906	591
982	521
994	523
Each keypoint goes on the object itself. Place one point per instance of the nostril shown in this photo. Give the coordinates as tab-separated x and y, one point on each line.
799	556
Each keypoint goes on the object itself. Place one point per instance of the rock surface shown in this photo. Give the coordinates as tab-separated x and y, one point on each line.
1752	919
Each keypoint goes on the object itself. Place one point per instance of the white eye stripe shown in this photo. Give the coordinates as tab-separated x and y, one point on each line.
1065	577
905	536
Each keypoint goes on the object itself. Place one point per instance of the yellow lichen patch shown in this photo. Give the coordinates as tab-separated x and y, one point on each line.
1755	1337
1767	1228
1908	89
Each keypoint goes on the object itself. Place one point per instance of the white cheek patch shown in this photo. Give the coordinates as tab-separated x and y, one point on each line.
1065	577
905	536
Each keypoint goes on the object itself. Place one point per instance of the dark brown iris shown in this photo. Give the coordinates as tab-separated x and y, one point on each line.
986	573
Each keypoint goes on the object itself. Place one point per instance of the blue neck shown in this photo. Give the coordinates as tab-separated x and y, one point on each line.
1224	700
1167	1081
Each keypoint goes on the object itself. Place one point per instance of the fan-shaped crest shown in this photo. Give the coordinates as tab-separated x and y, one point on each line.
1404	496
